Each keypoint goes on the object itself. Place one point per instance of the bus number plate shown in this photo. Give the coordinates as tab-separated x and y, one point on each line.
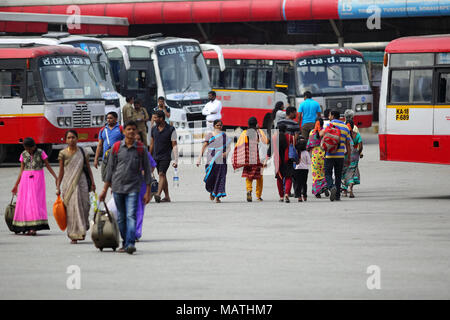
402	114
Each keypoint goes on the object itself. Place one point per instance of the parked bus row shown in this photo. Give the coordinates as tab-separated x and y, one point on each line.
44	91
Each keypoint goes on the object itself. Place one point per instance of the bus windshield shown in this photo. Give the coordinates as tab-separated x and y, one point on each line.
332	74
68	78
100	63
183	71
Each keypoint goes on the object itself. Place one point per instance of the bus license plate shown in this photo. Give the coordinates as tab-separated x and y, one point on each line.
402	114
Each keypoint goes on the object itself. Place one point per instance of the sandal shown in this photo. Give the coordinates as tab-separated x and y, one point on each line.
73	242
32	232
211	197
165	200
157	198
286	198
218	200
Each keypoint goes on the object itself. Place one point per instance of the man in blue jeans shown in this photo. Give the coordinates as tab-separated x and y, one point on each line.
335	161
123	174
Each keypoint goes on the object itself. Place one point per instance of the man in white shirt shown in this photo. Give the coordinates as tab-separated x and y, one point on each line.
212	110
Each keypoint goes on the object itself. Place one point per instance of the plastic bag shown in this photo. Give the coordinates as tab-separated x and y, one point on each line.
59	212
112	207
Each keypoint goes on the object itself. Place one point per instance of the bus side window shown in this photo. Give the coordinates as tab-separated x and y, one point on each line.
249	79
5	84
399	91
264	79
232	78
422	90
31	88
444	88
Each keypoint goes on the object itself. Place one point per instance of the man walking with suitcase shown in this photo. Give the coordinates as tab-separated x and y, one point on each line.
123	174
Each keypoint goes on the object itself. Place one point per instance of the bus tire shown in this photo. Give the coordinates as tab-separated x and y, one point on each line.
3	152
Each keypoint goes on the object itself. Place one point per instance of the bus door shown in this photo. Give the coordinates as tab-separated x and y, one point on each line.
12	92
285	83
441	135
140	82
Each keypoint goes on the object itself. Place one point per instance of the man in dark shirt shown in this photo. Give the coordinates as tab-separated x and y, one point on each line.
124	175
162	106
292	126
164	140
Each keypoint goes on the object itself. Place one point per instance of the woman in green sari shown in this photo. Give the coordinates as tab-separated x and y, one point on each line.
350	173
73	182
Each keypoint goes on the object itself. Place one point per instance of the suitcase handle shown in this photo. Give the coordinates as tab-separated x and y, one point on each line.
107	211
12	199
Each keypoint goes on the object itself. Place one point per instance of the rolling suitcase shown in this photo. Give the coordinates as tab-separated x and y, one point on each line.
105	231
9	215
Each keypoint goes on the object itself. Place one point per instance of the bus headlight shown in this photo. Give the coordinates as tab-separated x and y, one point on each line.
60	121
358	107
68	122
100	120
364	107
183	125
176	124
94	121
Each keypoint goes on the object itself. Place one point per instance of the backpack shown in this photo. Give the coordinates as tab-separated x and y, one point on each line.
140	148
331	139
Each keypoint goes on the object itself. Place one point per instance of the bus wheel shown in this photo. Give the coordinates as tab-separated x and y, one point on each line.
3	153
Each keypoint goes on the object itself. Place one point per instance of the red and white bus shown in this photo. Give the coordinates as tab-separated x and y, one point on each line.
414	110
44	91
257	76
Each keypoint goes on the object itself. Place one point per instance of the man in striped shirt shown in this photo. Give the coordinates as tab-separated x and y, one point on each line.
335	161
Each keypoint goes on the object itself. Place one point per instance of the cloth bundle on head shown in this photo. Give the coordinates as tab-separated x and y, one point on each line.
349	114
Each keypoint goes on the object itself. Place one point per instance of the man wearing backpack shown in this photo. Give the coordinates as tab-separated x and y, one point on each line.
123	173
335	152
108	135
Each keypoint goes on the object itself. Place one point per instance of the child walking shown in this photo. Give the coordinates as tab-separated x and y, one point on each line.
301	171
31	209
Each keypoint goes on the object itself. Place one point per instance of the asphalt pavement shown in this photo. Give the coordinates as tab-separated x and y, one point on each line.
390	242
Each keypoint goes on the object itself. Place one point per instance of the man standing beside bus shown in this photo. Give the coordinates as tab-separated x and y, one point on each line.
212	110
128	109
309	111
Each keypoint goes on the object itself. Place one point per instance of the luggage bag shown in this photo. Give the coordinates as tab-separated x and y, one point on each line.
105	231
9	215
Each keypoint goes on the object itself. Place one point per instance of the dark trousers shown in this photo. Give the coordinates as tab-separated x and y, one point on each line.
336	165
300	182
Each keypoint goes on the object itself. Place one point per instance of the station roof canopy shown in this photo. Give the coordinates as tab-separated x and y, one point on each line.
146	12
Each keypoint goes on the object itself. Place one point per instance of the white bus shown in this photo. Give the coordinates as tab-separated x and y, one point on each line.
151	66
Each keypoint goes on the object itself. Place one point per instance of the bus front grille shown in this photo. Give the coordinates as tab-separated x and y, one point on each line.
340	104
81	117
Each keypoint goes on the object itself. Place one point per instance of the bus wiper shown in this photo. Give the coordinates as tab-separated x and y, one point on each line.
71	72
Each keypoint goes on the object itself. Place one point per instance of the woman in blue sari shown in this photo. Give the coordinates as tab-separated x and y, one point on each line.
218	144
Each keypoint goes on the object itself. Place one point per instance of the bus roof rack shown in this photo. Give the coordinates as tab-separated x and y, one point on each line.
150	36
56	35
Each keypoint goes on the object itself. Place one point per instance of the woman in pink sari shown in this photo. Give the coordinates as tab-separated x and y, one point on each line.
31	208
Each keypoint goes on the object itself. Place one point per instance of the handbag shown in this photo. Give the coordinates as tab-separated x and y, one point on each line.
59	212
86	171
154	185
9	214
293	154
